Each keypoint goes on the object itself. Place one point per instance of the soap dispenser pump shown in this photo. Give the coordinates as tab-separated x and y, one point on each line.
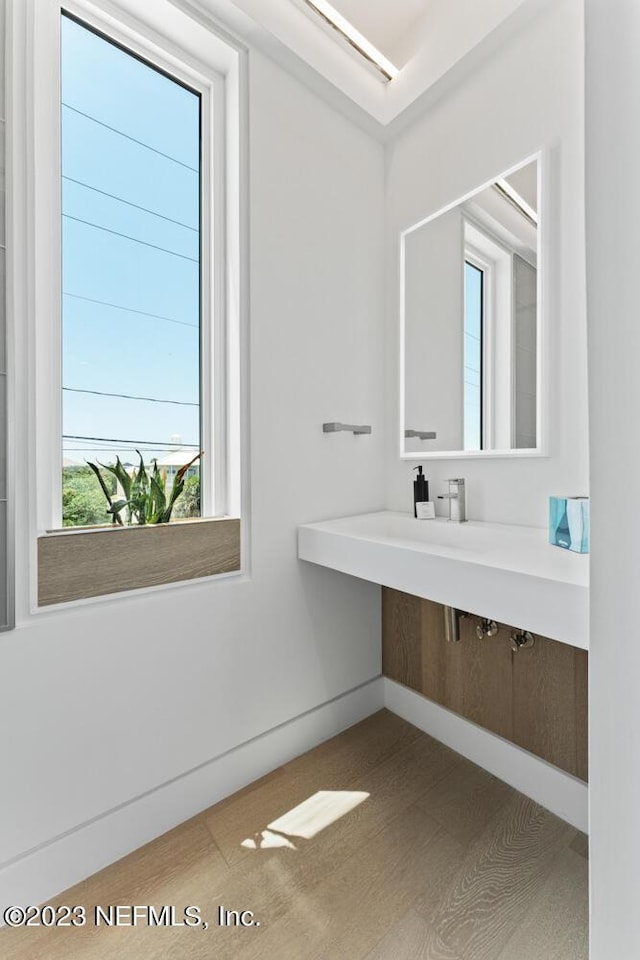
420	490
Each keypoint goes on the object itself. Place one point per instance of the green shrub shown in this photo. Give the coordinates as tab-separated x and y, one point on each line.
188	503
82	502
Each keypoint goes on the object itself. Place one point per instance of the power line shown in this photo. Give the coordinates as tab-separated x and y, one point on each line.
121	447
125	453
121	450
118	306
128	137
126	236
128	396
129	203
140	443
100	445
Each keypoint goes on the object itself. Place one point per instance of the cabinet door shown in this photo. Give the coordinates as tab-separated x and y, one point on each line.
434	651
479	679
401	638
544	701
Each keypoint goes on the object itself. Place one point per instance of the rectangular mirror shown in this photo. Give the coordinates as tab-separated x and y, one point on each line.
470	324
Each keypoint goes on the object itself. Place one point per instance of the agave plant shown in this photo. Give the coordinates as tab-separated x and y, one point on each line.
146	499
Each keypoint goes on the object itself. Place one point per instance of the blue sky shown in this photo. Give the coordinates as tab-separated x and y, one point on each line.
120	348
472	356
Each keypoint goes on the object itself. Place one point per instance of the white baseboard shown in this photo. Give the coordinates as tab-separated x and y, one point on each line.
65	860
564	795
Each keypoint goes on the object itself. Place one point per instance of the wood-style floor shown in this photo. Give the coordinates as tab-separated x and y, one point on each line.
380	844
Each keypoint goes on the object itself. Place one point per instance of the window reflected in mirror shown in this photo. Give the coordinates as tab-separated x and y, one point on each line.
471	322
473	366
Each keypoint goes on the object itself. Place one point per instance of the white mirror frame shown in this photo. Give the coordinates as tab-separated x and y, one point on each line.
543	290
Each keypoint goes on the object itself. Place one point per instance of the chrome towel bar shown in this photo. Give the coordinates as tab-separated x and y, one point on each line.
349	427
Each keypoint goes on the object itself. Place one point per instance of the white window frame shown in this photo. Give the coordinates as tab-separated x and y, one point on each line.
187	46
487	253
487	269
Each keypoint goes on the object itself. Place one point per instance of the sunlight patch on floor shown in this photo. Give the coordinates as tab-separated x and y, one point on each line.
266	840
309	818
318	812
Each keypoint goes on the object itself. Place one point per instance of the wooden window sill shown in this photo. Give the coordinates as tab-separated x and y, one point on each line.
75	564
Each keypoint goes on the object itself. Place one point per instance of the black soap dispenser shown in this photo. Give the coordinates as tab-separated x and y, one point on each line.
420	489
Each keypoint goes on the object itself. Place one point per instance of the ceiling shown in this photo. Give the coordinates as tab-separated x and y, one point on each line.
431	41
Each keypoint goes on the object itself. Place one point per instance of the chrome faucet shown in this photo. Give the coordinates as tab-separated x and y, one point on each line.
457	500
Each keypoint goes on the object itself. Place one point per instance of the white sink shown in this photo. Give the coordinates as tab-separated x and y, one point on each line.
508	573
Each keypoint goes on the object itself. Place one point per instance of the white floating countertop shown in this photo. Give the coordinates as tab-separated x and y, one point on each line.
506	573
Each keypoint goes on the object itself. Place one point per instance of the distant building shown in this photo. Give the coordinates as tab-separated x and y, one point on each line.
173	461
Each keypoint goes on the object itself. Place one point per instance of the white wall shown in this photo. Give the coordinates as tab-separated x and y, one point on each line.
104	702
613	214
434	325
525	306
528	96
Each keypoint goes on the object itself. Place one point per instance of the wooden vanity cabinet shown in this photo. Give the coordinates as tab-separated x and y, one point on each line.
536	698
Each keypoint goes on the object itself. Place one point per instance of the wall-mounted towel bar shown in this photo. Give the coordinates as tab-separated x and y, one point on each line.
349	427
421	434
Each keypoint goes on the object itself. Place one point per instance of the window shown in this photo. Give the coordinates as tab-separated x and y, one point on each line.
473	354
131	187
132	279
488	338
